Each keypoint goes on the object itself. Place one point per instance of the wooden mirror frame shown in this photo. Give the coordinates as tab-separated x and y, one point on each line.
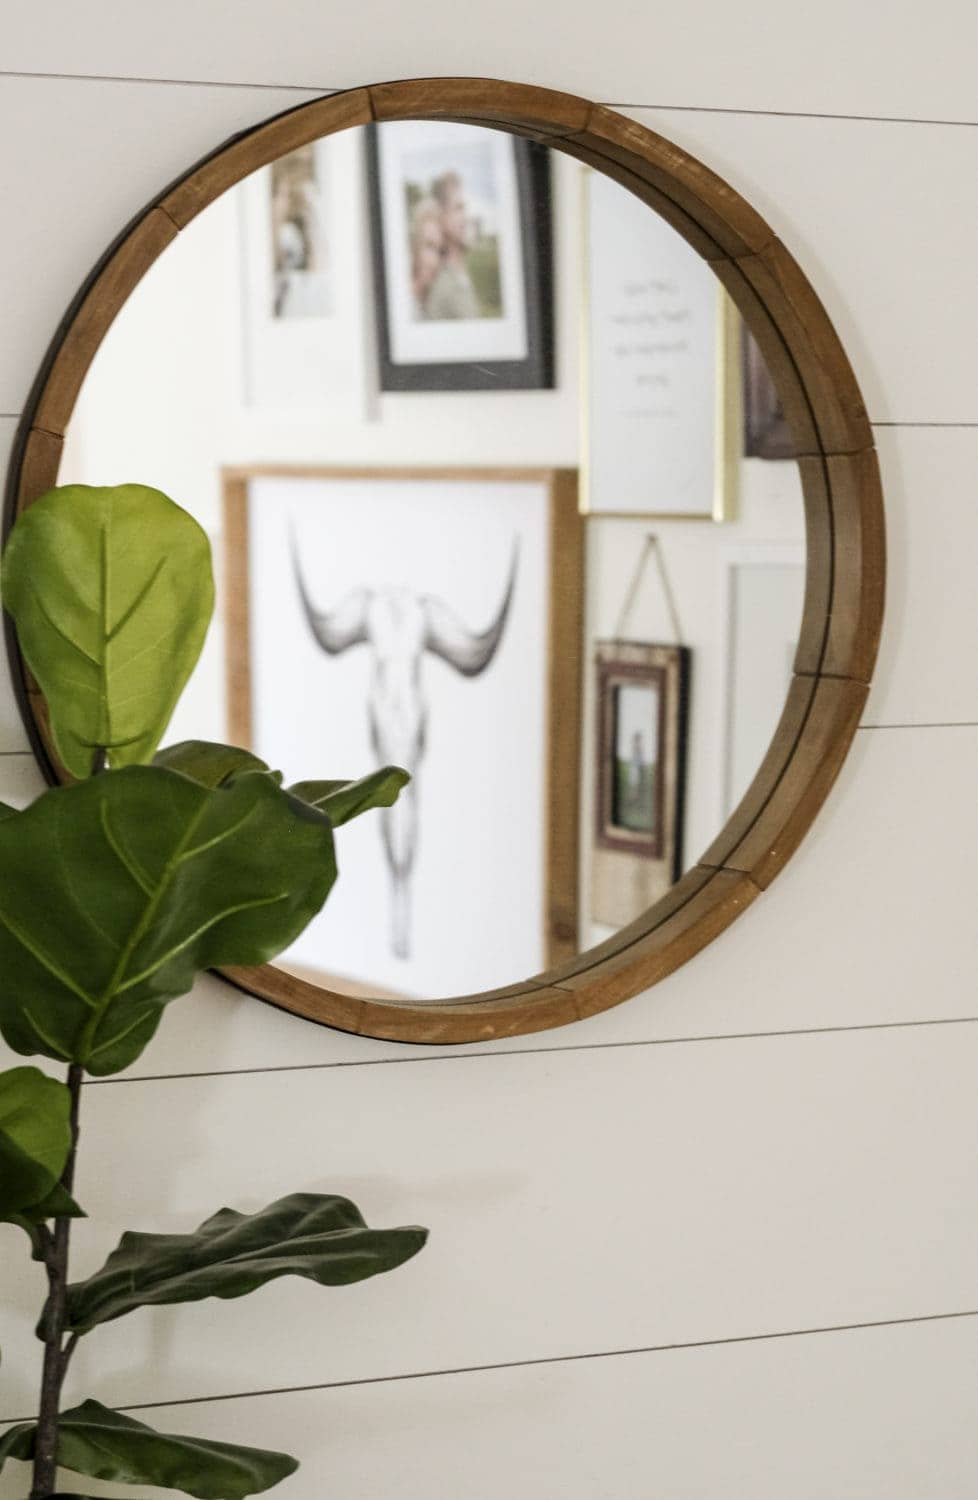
843	506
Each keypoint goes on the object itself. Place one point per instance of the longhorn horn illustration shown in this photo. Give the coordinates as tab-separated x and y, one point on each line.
468	651
338	628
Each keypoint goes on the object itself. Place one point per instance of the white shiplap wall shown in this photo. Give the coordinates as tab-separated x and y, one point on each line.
722	1240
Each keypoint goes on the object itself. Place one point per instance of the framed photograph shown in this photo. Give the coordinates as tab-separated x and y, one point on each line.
766	430
462	256
430	619
304	279
660	377
642	696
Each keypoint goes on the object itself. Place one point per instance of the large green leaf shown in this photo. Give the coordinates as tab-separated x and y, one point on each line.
209	763
318	1236
343	800
35	1138
107	1445
111	591
114	892
217	765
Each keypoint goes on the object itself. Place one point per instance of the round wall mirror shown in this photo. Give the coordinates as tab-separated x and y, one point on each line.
532	464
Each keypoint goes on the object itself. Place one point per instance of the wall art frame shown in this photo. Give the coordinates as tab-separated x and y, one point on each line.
767	431
660	368
840	476
458	534
639	793
504	340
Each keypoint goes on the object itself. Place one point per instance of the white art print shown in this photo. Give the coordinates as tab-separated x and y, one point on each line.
305	287
404	620
657	360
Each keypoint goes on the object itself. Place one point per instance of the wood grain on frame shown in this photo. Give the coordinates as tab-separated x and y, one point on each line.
827	416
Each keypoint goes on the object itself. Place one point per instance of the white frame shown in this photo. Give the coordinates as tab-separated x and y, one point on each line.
628	466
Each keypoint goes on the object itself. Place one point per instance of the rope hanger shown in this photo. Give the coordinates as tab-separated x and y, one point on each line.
652	544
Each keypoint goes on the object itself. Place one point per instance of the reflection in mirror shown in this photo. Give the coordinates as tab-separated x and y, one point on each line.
499	491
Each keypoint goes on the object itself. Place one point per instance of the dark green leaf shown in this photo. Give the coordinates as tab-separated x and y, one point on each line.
35	1137
111	592
105	1444
210	764
58	1204
343	800
6	811
116	891
318	1236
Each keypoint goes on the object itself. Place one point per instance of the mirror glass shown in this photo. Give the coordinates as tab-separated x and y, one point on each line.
499	490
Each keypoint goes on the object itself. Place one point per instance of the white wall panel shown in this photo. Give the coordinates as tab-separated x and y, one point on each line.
847	936
835	57
923	676
577	1202
878	1414
879	220
88	156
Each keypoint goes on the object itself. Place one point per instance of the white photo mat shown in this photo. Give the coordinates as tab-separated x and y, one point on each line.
314	362
413	150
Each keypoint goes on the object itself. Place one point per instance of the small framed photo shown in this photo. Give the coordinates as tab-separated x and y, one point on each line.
766	430
304	278
462	257
642	695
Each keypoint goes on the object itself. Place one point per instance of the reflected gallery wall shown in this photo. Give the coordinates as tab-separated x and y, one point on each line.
497	492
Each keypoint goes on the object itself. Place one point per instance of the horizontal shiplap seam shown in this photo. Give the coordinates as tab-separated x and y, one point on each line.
318	90
423	1056
553	1359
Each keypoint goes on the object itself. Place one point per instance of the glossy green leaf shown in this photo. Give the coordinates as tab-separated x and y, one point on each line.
111	591
321	1237
216	765
59	1204
105	1444
116	891
343	800
208	763
35	1138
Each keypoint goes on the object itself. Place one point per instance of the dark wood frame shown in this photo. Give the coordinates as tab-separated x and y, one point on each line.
767	432
564	644
536	371
843	608
671	676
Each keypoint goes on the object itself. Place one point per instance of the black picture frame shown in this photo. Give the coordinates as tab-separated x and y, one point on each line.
536	370
766	431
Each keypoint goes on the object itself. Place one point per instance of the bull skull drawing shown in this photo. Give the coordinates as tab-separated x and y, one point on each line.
399	626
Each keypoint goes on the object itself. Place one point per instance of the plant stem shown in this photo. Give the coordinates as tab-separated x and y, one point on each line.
55	1312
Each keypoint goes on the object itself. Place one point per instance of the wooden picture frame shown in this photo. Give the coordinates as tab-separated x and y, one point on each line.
642	720
288	694
501	338
767	433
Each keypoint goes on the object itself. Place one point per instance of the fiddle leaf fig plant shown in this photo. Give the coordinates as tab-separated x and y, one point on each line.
115	891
